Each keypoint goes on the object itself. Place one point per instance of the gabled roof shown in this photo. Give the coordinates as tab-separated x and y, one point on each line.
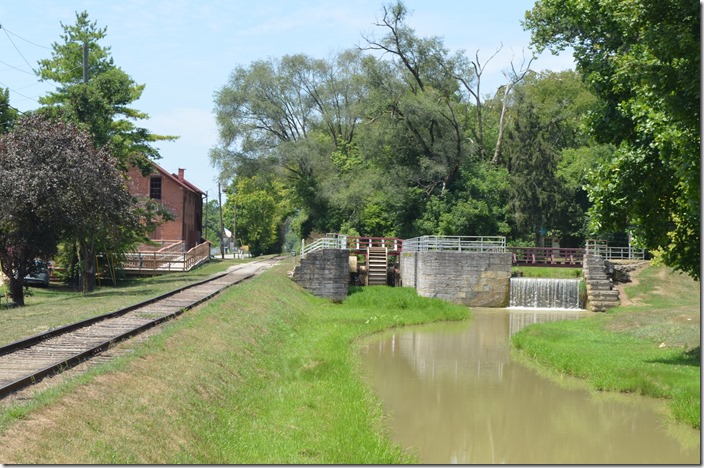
186	184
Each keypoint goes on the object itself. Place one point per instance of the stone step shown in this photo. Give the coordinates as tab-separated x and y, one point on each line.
601	285
596	276
610	295
602	306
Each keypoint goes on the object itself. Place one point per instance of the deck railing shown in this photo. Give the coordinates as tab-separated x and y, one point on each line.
361	243
167	261
455	243
552	256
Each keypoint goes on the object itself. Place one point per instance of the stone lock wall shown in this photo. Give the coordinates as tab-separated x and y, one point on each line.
325	273
478	279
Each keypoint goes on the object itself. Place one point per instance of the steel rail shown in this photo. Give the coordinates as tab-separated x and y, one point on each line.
74	359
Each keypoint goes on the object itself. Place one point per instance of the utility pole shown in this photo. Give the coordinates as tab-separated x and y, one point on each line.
222	231
234	229
85	62
206	217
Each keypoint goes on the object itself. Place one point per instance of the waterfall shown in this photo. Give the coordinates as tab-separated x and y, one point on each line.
544	293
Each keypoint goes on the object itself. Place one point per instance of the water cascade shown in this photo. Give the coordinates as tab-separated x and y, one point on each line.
545	293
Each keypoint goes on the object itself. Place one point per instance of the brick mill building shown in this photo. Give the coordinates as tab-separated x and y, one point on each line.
183	200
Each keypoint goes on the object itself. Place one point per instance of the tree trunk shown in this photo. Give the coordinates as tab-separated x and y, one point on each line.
15	277
87	262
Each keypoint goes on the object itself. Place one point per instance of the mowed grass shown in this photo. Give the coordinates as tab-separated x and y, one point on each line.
650	347
264	374
57	305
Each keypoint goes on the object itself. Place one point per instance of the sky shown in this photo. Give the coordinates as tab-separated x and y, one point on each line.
185	50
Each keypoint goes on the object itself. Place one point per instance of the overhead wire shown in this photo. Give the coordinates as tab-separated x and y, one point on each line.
26	40
18	50
33	72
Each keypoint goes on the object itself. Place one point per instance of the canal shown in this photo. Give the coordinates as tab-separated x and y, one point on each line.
452	394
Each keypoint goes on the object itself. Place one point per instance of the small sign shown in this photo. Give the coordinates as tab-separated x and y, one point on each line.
293	253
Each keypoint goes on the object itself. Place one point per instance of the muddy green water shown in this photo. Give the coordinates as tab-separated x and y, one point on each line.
452	394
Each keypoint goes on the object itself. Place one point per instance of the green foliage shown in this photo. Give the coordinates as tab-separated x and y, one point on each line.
400	143
547	169
211	222
621	350
101	104
8	114
642	59
262	207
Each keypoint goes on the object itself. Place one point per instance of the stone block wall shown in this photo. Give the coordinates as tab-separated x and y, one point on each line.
468	278
325	273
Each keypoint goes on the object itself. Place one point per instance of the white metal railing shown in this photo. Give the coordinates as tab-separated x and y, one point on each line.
601	249
455	243
333	241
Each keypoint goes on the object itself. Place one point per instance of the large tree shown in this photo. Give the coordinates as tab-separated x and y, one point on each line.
548	112
642	60
54	182
100	100
97	95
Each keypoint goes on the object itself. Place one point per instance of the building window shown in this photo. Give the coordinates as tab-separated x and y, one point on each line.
155	188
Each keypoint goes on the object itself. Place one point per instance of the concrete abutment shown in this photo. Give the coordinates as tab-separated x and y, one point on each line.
477	279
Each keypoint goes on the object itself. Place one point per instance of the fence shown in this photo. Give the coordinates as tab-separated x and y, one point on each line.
455	243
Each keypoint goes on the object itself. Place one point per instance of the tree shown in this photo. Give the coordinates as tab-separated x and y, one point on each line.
642	60
548	111
102	103
261	211
8	114
54	183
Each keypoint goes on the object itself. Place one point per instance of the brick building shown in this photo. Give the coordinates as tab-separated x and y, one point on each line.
183	199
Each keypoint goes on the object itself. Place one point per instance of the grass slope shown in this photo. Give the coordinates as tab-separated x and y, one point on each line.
265	373
650	347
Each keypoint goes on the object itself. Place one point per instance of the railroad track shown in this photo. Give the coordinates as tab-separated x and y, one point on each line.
27	361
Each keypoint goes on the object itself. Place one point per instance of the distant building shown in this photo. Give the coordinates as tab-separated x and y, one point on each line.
183	200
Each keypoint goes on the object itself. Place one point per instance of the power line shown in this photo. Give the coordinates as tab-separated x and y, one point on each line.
25	40
16	68
17	49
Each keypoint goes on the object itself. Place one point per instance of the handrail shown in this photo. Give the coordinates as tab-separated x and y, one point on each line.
338	242
455	243
601	249
362	243
167	261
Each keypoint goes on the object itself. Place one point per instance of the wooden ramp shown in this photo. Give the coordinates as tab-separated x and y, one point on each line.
377	266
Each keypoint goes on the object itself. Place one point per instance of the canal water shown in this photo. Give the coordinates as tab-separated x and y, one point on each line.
452	394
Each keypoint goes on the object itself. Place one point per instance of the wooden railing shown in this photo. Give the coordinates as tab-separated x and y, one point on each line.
162	261
360	244
547	256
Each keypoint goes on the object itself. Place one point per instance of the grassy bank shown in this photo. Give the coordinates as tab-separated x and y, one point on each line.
58	305
265	373
650	345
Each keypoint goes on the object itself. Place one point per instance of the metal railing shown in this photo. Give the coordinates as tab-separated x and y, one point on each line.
334	241
601	249
455	243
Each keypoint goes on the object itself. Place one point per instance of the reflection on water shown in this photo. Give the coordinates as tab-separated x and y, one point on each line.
453	395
